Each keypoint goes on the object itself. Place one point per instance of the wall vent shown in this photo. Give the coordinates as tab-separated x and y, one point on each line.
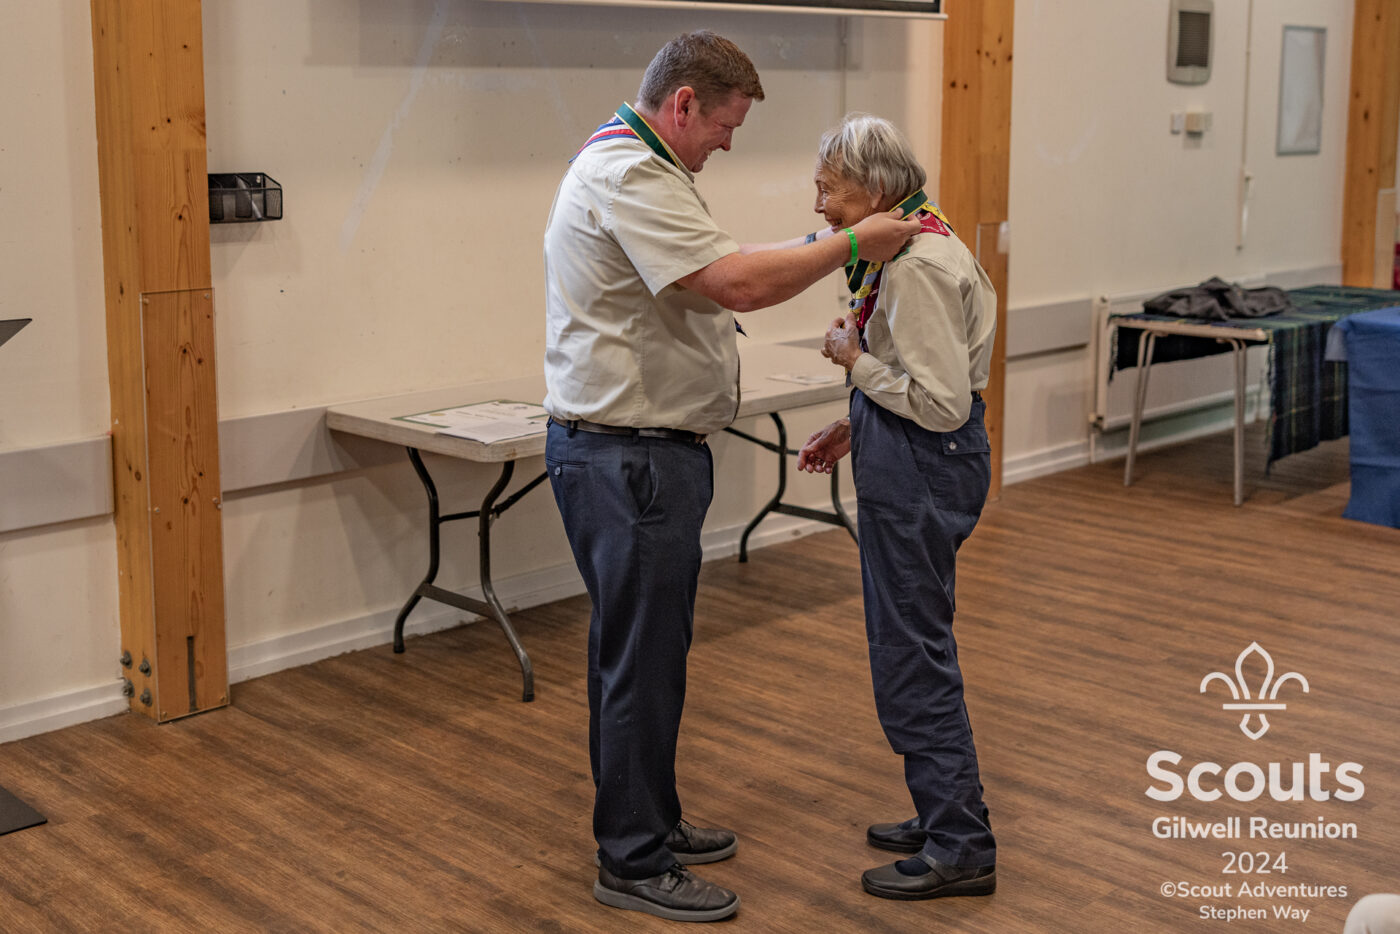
1189	36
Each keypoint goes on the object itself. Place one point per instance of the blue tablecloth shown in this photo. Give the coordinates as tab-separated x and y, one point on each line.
1373	362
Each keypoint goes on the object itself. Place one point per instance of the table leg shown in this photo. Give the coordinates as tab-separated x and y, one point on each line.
776	504
484	521
491	606
1240	359
1146	343
434	546
777	499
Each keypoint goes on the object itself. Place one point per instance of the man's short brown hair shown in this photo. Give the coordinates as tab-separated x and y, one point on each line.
710	64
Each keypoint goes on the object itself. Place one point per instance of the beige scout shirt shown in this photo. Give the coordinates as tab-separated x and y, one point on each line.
624	345
930	336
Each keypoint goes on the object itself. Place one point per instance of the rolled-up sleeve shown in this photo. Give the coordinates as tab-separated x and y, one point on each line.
917	366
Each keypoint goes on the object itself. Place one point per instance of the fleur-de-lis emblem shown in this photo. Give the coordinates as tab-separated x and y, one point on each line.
1254	705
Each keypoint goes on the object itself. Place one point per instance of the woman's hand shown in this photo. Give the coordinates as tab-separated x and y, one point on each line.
842	344
825	447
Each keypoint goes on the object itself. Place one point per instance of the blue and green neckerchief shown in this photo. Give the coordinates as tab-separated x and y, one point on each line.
627	122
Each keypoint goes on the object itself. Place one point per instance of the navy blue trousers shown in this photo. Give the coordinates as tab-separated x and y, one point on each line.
632	510
920	494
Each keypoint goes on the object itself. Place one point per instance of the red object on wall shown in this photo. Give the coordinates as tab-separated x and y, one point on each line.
1396	282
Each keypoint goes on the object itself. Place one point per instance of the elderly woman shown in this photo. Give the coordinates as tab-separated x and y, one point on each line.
917	347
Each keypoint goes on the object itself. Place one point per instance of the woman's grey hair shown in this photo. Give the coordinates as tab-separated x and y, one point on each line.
870	151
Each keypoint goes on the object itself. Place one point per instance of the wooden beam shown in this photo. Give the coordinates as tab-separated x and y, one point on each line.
976	163
148	68
1373	120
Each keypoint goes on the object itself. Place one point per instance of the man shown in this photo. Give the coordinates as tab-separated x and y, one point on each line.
640	365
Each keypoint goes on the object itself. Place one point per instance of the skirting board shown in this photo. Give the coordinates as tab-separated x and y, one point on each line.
1044	462
59	710
302	648
1173	424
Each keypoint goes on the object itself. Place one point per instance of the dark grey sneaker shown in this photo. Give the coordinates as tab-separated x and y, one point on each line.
692	845
904	837
676	895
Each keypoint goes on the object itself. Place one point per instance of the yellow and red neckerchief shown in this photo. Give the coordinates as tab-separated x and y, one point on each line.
864	277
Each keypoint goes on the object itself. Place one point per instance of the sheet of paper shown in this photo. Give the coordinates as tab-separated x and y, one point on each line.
807	379
500	420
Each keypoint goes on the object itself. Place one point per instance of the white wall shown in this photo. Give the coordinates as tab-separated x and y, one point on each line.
58	617
53	377
1105	200
419	145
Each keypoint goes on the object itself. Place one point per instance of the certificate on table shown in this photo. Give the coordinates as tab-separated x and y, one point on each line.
499	420
808	379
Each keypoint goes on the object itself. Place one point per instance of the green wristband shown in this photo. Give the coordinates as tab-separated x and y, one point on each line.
852	235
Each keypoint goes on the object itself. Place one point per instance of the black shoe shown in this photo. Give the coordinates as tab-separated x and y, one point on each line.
904	837
940	881
676	895
691	845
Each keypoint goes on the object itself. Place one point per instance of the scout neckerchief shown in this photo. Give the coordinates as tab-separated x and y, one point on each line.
864	277
627	122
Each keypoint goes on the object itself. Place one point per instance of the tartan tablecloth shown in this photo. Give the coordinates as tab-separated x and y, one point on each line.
1308	396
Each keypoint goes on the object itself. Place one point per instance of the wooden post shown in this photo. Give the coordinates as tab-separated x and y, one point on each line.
976	163
148	66
1373	119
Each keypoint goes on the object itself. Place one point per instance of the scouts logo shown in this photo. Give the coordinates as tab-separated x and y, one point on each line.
1254	705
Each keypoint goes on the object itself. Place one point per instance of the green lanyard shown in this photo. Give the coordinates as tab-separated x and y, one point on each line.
645	133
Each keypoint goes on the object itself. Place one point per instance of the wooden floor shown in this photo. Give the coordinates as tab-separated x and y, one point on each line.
374	792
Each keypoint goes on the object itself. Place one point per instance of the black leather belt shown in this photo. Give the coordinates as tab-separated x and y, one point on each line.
673	434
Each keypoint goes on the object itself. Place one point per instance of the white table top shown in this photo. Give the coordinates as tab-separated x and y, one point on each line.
1190	328
760	394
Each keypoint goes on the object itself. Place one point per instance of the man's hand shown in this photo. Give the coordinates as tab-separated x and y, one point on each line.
826	447
842	345
880	236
